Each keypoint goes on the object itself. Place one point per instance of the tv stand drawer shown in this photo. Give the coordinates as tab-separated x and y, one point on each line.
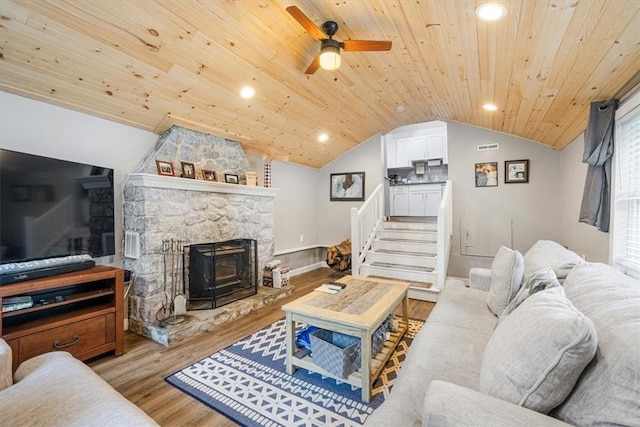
78	338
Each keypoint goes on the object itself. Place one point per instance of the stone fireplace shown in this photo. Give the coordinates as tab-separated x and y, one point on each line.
194	211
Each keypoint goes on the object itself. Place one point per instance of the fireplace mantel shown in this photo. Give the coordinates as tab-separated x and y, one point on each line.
177	183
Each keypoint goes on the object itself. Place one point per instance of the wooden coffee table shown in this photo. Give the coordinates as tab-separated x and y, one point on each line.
357	310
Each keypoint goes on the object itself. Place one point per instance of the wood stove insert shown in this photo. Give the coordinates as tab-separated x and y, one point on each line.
220	273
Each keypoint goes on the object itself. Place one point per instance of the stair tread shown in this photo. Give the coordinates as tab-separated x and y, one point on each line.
398	252
395	239
402	267
415	284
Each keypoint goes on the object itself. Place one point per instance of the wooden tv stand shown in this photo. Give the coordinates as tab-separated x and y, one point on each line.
86	322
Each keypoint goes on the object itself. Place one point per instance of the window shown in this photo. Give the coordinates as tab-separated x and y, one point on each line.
626	215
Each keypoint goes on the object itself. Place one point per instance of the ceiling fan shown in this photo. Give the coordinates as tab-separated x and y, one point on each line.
329	56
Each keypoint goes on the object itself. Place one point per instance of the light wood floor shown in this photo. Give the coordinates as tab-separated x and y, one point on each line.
139	373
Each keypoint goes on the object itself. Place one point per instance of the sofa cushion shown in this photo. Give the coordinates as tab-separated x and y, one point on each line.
535	282
449	347
547	253
506	277
608	392
6	359
536	354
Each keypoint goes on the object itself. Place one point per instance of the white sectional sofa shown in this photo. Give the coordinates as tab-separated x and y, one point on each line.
563	352
55	389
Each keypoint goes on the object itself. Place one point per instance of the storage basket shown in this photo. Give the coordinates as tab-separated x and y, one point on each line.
336	353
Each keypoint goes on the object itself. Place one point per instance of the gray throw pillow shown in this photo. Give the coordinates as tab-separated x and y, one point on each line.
506	277
547	253
536	355
534	282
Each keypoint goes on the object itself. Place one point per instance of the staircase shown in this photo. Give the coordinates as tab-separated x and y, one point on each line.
406	251
416	252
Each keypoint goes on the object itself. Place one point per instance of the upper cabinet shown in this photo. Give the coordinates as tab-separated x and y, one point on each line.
429	144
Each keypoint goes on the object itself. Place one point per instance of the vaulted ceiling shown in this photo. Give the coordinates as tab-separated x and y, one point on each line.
153	64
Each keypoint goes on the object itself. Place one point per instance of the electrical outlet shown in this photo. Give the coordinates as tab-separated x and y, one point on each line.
301	238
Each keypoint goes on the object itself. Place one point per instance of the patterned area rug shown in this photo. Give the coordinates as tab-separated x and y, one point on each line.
248	383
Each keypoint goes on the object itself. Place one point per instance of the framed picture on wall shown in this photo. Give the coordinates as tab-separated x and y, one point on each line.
346	187
487	174
516	171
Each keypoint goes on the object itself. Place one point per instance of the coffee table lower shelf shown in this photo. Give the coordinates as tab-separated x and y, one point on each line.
377	362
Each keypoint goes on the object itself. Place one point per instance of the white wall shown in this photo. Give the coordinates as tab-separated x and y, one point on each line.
38	128
334	220
579	237
514	215
295	205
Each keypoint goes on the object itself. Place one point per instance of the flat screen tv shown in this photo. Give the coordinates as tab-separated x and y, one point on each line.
54	208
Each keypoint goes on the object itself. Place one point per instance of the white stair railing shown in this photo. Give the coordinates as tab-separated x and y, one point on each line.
445	231
365	223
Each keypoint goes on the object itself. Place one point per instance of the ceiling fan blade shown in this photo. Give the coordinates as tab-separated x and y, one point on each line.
315	64
307	23
366	45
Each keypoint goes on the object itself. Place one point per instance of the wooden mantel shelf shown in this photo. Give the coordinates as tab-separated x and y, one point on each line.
177	183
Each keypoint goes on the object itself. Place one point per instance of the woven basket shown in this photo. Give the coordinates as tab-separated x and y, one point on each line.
336	353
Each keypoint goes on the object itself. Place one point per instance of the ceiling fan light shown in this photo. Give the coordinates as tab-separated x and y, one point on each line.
330	58
491	11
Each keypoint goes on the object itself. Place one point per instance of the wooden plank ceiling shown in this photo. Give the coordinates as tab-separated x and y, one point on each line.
151	64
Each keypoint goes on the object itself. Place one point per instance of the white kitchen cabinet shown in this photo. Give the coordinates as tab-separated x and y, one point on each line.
435	146
403	153
392	158
399	200
431	144
424	200
418	148
432	202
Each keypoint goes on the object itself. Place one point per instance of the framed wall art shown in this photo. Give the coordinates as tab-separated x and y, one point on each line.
516	171
346	187
165	168
487	174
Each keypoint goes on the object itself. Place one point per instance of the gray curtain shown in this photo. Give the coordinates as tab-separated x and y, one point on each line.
598	152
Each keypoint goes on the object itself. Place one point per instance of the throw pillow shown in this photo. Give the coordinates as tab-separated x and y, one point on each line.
535	282
535	356
506	277
547	253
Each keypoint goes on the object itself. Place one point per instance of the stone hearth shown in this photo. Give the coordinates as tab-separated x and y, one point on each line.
200	321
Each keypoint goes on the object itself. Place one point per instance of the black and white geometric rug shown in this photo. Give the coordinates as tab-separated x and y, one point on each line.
248	383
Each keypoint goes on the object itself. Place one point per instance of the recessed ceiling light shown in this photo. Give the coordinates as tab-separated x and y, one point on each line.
247	92
491	11
323	137
400	108
490	107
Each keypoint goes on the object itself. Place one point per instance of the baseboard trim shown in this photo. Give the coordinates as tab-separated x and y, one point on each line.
307	268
